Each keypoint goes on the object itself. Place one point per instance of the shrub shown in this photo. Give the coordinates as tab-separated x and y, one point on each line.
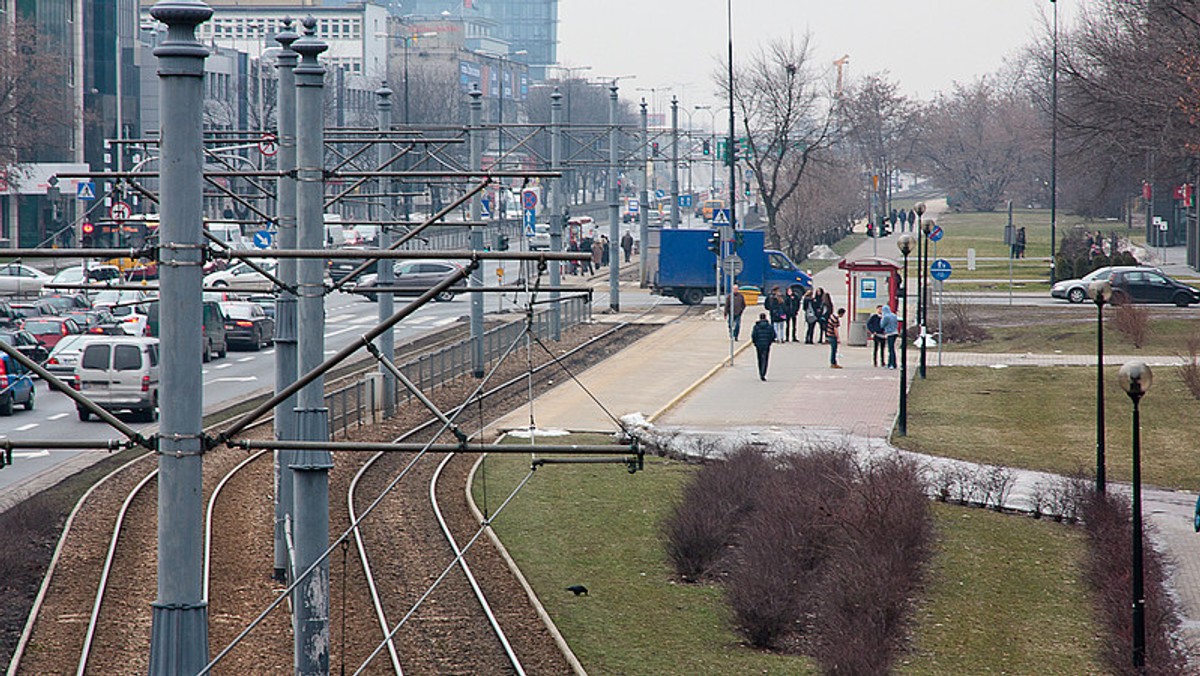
959	325
716	502
1132	321
1190	370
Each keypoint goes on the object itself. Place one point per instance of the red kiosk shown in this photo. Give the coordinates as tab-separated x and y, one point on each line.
869	282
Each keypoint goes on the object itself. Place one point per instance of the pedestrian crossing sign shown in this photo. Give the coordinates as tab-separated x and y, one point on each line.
720	217
86	190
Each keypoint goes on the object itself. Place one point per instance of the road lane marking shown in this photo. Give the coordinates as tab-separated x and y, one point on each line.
222	366
337	319
447	320
57	416
232	379
243	360
348	329
26	427
31	454
270	351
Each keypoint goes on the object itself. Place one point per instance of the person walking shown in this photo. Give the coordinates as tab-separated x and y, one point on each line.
597	253
762	336
735	305
831	334
890	325
878	341
1021	242
912	220
585	246
792	306
824	313
777	307
627	245
604	251
810	304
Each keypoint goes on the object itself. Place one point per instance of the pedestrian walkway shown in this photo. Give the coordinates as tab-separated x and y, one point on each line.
679	378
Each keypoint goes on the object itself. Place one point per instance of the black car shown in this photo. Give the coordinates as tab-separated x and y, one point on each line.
247	324
340	267
26	343
1150	285
414	278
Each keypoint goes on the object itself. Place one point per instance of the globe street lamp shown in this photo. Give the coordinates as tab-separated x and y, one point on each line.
1101	292
905	245
920	209
1135	378
922	319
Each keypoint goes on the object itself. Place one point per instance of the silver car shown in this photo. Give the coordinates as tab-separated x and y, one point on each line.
1076	290
17	279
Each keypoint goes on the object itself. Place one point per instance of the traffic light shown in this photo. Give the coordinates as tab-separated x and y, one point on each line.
732	155
654	148
714	241
706	148
86	230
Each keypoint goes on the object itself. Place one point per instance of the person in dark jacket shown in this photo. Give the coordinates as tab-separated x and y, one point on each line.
824	312
792	310
811	303
877	337
762	336
735	305
627	245
777	307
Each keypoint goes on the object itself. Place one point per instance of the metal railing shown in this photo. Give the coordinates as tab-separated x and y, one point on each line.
353	406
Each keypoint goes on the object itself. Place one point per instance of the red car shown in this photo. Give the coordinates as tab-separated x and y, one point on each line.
50	330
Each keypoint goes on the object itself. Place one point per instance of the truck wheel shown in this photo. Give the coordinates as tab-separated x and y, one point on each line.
691	297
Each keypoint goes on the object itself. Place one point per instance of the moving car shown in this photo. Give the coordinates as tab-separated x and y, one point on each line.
119	373
35	309
16	382
65	356
540	241
25	343
247	324
50	330
242	277
414	278
1130	284
18	279
97	275
68	302
340	267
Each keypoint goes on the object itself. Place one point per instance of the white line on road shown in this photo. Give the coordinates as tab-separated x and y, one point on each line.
32	454
348	329
58	416
243	360
222	366
270	351
28	426
337	319
447	320
232	379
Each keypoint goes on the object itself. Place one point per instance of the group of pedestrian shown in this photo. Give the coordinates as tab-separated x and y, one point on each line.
1018	245
779	323
883	326
600	250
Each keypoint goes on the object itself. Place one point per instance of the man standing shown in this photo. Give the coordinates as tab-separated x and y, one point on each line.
875	332
891	328
735	305
831	334
762	336
627	245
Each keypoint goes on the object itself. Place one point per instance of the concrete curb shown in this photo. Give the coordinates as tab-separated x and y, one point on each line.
691	388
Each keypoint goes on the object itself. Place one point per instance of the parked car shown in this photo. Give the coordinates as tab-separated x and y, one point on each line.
247	324
18	279
1130	284
65	356
414	278
50	330
16	382
119	373
242	277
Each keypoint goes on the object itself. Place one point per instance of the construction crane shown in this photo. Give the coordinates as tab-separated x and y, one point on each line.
840	63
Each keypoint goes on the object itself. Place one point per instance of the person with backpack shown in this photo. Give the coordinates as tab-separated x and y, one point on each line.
762	336
878	340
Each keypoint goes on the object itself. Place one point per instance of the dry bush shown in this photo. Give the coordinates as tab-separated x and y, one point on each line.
959	324
1190	370
1108	570
1132	321
706	520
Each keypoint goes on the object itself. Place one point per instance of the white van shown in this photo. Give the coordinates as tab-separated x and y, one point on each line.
119	373
229	233
335	231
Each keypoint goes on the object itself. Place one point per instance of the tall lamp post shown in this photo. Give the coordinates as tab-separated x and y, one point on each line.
1135	379
905	245
923	319
920	209
1054	144
1101	292
409	37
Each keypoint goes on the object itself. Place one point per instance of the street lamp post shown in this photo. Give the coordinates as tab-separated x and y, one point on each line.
1135	379
926	228
1101	293
905	245
1054	144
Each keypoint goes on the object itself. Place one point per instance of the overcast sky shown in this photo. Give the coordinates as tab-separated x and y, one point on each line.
926	45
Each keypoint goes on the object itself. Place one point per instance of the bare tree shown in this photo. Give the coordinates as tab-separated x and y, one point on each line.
788	116
35	110
879	122
827	201
978	141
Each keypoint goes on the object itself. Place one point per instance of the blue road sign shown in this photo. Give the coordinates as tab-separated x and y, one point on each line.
659	194
936	233
529	199
720	217
685	200
485	207
86	190
634	206
262	239
530	220
940	269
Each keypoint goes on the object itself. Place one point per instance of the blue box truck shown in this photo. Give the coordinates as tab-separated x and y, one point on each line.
687	270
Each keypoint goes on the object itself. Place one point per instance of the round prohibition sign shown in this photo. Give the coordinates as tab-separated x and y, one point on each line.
268	145
120	212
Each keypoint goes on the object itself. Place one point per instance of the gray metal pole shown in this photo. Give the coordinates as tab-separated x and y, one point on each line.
179	617
311	468
614	205
643	217
285	301
476	279
558	213
385	271
674	162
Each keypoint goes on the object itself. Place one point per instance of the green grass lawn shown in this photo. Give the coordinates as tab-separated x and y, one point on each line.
996	579
1045	419
1071	329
